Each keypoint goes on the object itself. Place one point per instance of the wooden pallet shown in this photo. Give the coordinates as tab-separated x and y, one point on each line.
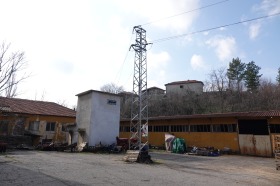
277	151
131	156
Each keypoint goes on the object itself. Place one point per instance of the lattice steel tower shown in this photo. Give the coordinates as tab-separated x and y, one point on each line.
139	106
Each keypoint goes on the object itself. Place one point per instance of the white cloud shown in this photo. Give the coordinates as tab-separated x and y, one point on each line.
156	12
254	30
157	64
158	60
269	7
225	47
197	62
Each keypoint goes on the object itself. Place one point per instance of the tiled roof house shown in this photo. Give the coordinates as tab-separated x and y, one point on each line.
39	119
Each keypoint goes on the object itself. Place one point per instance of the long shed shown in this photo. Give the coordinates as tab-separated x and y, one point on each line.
249	133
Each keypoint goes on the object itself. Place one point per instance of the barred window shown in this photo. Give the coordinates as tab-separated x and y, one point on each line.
200	128
161	128
179	128
224	128
275	128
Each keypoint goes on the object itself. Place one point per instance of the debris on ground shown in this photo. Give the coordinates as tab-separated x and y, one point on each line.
204	151
141	156
175	145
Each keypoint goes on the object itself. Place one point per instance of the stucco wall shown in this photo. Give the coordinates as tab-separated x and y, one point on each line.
98	116
105	118
175	89
83	117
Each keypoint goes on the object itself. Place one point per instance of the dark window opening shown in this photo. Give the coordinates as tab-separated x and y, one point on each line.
200	128
256	127
111	102
181	86
224	128
162	128
127	129
150	128
274	128
4	126
50	126
179	128
34	125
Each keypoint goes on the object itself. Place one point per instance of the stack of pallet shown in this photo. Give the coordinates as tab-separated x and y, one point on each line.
277	151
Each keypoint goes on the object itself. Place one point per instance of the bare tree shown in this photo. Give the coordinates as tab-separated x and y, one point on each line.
11	91
11	63
112	88
219	86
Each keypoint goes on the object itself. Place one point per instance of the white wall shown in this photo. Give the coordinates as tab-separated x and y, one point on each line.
100	119
105	119
195	87
83	115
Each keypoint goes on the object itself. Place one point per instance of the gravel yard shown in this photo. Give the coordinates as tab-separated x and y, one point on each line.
64	168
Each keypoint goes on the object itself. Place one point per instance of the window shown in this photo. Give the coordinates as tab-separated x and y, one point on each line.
63	127
200	128
111	102
161	128
124	128
4	126
50	126
34	125
150	128
179	128
224	128
181	86
275	128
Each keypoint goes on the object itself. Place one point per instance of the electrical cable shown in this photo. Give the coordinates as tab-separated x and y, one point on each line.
117	78
207	6
213	28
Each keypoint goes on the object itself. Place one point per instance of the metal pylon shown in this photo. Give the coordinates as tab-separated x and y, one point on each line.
139	106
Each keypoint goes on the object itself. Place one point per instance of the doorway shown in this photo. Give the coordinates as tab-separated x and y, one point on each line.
254	138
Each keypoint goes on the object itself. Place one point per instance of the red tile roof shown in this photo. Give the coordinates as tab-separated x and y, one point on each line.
183	82
25	106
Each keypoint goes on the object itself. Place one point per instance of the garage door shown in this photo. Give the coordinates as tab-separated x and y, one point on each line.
254	138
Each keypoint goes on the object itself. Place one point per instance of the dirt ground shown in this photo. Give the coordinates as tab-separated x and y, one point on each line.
64	168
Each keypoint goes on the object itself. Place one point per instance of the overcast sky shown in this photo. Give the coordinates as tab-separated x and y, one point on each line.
72	46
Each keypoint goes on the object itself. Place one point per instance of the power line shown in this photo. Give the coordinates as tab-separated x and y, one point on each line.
213	28
118	75
207	6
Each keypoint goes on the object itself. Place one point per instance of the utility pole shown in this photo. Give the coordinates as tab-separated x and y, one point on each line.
139	106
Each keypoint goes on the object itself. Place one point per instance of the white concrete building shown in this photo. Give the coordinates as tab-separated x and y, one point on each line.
98	118
181	87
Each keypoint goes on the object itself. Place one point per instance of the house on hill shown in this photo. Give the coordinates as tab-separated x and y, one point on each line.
181	87
155	91
23	121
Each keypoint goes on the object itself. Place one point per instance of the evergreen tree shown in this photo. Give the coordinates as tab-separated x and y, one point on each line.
252	76
278	76
235	73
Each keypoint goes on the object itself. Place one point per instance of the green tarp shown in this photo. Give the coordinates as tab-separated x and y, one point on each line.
179	146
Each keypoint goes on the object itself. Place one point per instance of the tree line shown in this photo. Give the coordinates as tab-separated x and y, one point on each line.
238	88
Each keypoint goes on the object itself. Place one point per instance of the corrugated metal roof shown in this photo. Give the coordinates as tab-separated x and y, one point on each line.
25	106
